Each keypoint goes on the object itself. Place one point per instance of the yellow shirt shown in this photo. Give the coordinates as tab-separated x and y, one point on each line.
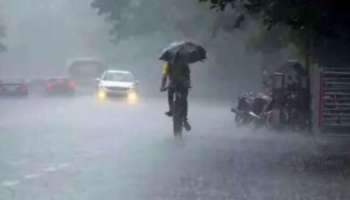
182	77
166	69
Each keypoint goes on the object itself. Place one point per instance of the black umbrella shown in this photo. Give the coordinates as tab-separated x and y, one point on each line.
188	51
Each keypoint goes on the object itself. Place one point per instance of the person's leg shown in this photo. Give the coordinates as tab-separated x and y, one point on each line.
170	101
187	125
185	96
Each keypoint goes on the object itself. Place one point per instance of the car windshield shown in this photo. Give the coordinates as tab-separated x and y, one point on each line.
119	77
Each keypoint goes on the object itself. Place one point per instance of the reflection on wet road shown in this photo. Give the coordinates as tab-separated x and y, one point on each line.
79	149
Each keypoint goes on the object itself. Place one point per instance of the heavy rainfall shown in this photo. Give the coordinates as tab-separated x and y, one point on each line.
174	100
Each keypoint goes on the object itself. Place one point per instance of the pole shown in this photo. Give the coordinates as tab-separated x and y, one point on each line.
308	46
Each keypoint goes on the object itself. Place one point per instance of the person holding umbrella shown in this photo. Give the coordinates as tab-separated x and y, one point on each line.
176	76
176	72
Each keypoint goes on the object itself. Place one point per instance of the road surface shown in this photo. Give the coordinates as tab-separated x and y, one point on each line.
80	149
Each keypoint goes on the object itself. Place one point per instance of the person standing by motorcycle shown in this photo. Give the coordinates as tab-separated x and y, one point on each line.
177	74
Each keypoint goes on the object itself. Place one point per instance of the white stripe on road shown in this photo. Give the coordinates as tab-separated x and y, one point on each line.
55	168
10	183
50	169
32	176
63	165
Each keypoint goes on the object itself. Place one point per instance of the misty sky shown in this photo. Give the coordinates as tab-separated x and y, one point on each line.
42	35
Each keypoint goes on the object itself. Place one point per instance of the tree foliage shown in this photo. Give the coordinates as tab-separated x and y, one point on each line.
310	22
324	17
132	18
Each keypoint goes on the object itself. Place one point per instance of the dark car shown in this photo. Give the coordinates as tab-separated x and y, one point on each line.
14	87
37	86
85	71
57	86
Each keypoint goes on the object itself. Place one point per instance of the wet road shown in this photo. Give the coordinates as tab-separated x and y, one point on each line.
79	149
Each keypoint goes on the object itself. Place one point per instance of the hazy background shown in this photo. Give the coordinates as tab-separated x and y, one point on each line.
78	148
42	35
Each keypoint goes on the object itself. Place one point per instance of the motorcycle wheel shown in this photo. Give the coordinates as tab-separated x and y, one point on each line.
239	120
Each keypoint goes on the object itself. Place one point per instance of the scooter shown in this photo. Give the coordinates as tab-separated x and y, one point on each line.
249	110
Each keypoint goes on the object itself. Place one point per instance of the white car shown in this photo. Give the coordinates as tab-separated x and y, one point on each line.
117	83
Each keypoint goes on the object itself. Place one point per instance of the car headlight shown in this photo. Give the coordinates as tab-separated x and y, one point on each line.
133	97
101	94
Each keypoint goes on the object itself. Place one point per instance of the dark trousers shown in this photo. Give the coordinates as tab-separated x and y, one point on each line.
184	93
171	98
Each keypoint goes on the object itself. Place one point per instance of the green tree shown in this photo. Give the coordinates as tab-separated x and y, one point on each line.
323	17
133	18
310	24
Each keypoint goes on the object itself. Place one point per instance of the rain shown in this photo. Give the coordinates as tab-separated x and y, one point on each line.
174	100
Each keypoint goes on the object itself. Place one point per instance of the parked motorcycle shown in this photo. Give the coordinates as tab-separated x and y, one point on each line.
284	103
249	110
282	110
